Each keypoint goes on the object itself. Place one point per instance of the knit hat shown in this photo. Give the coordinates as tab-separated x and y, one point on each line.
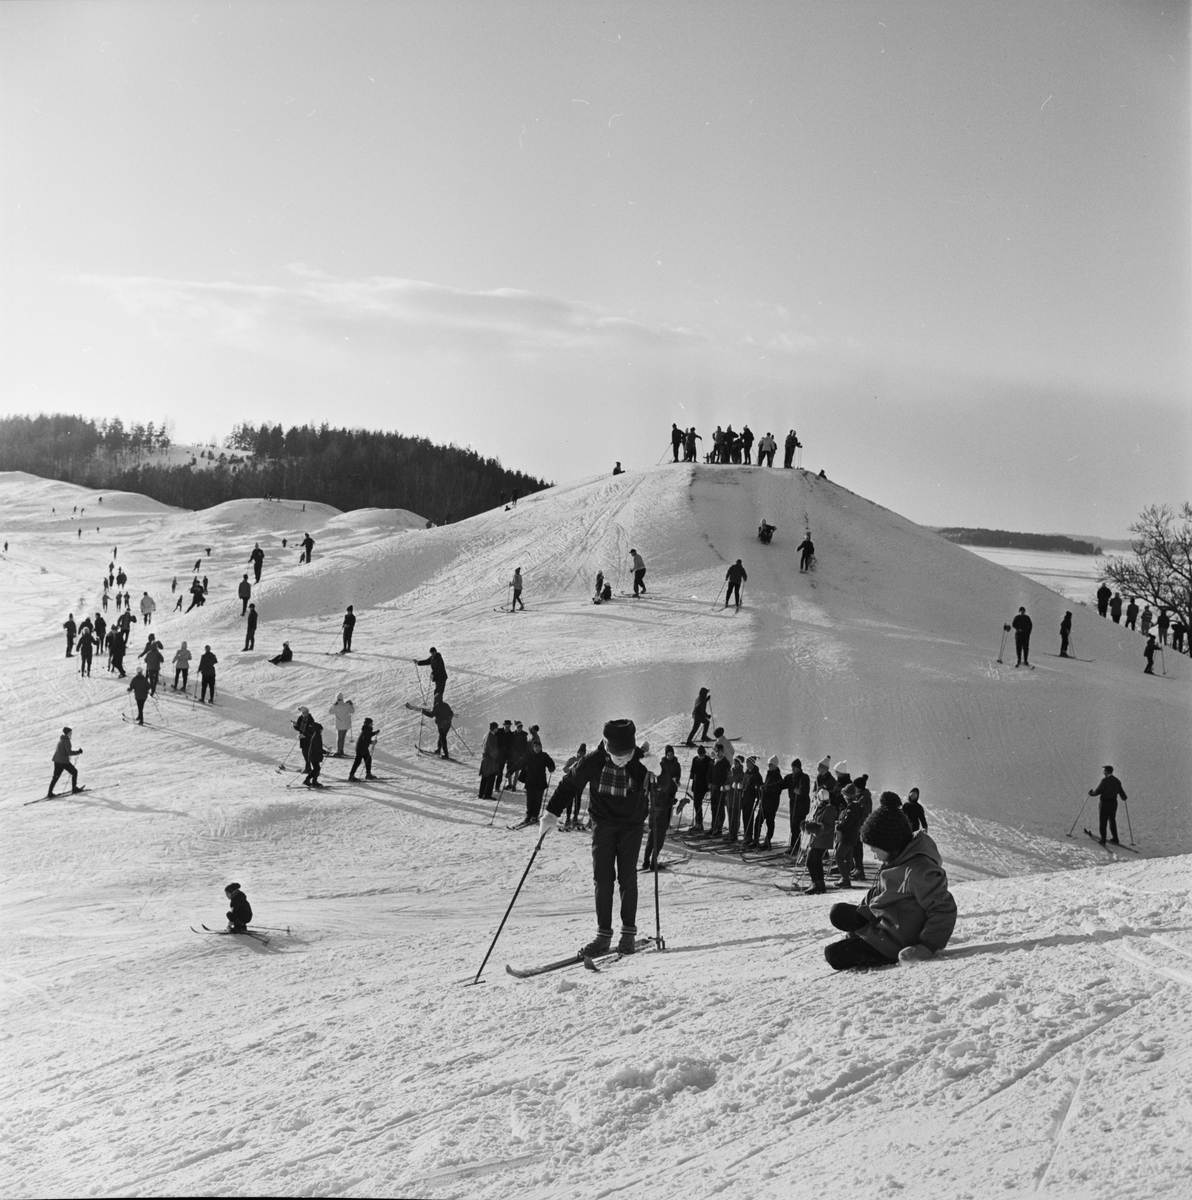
887	829
890	800
772	761
849	792
620	736
232	887
841	767
825	762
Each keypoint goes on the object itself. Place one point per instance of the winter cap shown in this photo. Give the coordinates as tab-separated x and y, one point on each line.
433	650
232	887
850	792
533	728
797	763
719	731
824	763
66	729
620	736
890	800
772	761
841	767
861	780
493	725
887	829
368	720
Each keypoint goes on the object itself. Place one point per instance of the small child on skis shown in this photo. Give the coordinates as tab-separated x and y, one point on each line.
240	913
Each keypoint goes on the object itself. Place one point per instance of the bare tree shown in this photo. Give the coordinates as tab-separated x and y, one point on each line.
1161	570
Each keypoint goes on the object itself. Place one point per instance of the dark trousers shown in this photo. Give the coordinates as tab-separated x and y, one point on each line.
70	645
441	746
243	605
705	722
250	639
140	710
180	673
851	951
516	600
697	804
804	561
815	868
747	810
85	667
347	639
208	684
362	756
858	860
70	770
1022	646
1063	643
1109	818
788	454
732	804
341	736
733	586
256	570
844	861
639	580
658	828
614	859
716	805
486	786
533	803
312	771
675	447
767	814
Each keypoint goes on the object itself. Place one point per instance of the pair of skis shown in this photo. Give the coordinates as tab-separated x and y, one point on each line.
574	960
260	937
1110	846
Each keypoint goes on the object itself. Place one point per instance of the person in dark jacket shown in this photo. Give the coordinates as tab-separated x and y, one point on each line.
735	576
700	716
1115	608
909	913
822	829
438	671
207	662
490	761
666	788
315	753
1022	626
718	783
1162	625
519	743
1109	790
848	828
308	549
914	812
442	715
767	813
806	550
865	801
240	912
1103	595
751	799
1065	634
798	792
1132	614
62	756
1148	652
349	624
364	744
257	558
286	655
250	630
698	774
244	591
536	769
676	440
71	629
116	647
504	748
140	690
618	805
86	645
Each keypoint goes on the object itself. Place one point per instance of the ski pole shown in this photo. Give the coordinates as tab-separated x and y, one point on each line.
1005	631
1128	825
157	706
719	592
421	714
461	741
1079	815
282	765
659	942
517	892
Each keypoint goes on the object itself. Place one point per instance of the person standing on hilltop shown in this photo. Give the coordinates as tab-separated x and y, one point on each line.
618	805
1115	608
1022	626
308	548
692	438
806	549
257	558
639	572
1132	614
438	671
746	445
1109	790
676	440
1162	625
1146	620
1065	634
735	576
1103	595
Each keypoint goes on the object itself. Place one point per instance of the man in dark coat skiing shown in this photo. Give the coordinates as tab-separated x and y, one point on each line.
698	774
250	629
364	744
442	715
207	662
1109	790
438	671
618	805
735	576
1022	626
1065	634
240	912
798	792
349	624
62	756
700	716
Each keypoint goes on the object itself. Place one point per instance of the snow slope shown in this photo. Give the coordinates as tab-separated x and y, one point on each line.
1047	1050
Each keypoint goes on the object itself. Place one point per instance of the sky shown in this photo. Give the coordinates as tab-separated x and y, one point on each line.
950	244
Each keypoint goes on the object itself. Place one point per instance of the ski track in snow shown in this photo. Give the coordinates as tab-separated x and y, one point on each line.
1047	1051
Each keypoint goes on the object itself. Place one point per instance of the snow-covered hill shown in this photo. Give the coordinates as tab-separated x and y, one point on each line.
1045	1050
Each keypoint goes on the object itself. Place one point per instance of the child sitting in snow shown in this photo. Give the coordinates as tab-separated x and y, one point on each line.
909	914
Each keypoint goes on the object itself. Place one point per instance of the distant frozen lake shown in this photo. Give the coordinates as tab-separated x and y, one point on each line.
1074	576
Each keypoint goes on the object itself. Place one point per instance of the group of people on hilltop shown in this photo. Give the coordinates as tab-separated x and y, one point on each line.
728	446
1111	604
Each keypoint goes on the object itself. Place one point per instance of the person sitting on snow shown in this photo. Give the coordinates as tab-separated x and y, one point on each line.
909	914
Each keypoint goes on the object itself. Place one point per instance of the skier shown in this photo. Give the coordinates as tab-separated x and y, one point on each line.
718	782
913	811
765	532
639	572
822	829
1109	790
806	549
1022	626
308	548
692	438
516	584
364	743
140	690
573	809
207	662
148	607
116	645
676	440
438	671
788	450
767	812
1162	625
535	774
305	727
1065	634
173	585
85	644
342	711
848	827
62	756
1103	595
181	660
504	746
71	629
700	717
798	792
441	714
698	772
197	598
240	913
349	624
490	761
1115	608
747	445
121	578
286	655
257	558
617	805
909	914
1148	653
315	753
198	565
765	449
250	630
152	654
735	576
751	799
244	591
666	788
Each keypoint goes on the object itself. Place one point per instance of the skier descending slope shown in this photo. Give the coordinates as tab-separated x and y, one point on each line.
735	576
240	913
62	756
806	549
618	807
909	914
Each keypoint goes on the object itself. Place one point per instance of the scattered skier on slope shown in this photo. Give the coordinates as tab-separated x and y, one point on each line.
1022	626
639	573
85	646
909	913
257	558
315	753
700	717
181	660
62	756
250	628
342	711
244	591
349	624
438	671
71	629
140	690
308	548
207	662
735	576
148	607
240	913
618	805
442	716
806	549
1148	652
1109	790
364	744
1065	634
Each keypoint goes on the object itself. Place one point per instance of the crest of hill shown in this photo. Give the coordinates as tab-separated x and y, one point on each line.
28	499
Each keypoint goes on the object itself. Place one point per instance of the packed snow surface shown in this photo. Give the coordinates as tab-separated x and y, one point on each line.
1047	1050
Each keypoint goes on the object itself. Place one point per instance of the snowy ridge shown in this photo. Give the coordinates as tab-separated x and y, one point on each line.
1045	1051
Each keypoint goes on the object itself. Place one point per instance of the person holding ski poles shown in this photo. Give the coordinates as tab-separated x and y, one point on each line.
516	584
735	576
700	716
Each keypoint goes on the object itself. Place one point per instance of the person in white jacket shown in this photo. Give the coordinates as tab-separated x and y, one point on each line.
182	657
148	608
342	711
